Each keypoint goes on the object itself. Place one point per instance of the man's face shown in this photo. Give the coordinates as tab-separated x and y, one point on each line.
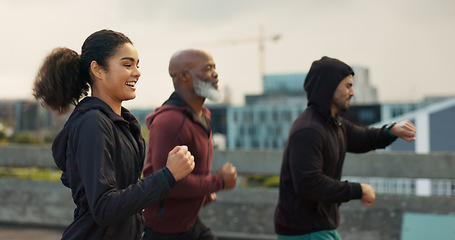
342	95
205	79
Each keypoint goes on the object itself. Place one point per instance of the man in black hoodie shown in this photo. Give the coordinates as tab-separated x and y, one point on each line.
310	186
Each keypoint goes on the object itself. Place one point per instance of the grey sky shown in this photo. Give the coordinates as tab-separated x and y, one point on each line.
407	45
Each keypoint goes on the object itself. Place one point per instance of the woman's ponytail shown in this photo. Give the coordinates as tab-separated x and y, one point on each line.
64	78
59	82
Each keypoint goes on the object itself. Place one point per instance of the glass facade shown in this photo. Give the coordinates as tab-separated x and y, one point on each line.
260	126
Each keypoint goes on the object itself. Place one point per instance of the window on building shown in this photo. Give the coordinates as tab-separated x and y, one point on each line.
239	143
262	116
274	116
255	143
397	112
367	115
287	116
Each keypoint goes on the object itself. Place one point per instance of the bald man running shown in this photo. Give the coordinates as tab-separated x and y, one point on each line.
183	120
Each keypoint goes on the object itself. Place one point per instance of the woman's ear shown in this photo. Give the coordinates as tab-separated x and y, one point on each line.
96	70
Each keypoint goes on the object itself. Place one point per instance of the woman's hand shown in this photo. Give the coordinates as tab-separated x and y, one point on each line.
180	162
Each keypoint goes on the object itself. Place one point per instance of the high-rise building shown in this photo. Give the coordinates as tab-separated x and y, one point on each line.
265	120
365	92
261	125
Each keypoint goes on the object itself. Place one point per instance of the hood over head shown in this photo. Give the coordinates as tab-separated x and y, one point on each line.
322	80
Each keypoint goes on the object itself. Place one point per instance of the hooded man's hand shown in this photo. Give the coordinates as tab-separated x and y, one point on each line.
405	130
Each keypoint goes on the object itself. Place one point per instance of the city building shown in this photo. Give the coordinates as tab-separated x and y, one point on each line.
434	123
260	126
365	92
27	116
280	89
141	114
363	115
264	121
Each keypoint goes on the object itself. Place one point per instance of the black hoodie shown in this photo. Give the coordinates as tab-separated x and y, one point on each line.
101	155
310	186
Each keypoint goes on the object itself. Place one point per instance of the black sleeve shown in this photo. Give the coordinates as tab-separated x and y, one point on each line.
93	149
306	161
364	139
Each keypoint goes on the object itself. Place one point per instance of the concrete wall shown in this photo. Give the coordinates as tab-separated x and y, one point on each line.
243	213
251	211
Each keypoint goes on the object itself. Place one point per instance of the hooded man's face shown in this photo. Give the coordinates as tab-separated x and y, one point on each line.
342	96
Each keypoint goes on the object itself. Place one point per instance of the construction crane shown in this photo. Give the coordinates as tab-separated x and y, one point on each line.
261	39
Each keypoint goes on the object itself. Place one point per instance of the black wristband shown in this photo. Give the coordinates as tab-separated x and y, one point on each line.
388	127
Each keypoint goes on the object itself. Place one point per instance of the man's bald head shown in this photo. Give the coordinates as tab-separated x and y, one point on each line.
194	76
186	60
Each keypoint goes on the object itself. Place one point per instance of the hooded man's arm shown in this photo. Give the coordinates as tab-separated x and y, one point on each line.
364	139
306	160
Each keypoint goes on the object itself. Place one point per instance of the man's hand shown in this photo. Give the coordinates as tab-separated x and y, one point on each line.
211	197
229	175
180	162
405	130
368	195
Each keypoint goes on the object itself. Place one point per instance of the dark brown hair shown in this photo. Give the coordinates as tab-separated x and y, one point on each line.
64	78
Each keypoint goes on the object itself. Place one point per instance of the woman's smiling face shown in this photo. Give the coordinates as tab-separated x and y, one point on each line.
122	74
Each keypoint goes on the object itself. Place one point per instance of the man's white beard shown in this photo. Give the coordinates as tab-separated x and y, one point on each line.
206	89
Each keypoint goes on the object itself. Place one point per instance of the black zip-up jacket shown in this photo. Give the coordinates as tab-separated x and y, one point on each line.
101	155
310	187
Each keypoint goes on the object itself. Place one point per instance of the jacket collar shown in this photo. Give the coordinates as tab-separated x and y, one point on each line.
176	100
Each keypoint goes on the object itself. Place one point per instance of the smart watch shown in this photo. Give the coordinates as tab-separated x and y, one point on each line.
388	127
